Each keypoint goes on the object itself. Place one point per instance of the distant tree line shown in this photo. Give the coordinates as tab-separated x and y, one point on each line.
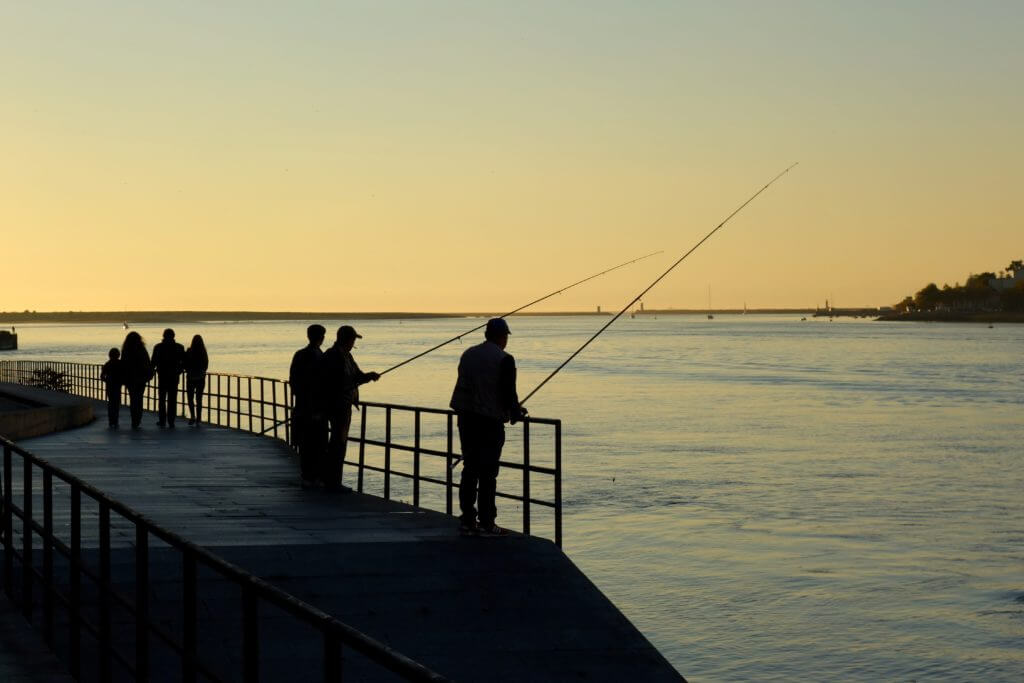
976	295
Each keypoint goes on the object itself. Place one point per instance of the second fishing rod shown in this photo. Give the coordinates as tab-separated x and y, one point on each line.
656	281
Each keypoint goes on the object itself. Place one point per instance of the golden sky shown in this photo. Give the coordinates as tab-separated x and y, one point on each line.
472	156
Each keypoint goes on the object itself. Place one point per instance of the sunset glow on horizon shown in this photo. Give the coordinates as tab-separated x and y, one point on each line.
467	156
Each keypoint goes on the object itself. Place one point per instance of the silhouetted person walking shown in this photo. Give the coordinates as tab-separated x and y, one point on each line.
169	363
110	375
338	391
136	371
196	363
308	428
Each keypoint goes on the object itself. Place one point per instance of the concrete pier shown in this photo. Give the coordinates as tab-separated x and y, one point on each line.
471	609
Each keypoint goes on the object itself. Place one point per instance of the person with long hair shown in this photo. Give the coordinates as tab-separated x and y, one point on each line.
136	371
196	363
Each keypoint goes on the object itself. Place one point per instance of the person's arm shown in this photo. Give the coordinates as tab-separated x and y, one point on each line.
357	375
294	372
507	390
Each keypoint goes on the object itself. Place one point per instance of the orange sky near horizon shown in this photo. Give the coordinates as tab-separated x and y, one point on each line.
466	156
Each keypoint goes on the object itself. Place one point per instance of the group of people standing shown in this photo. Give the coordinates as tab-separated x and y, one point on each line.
132	367
325	386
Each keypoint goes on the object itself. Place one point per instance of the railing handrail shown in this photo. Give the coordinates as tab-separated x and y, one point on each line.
375	650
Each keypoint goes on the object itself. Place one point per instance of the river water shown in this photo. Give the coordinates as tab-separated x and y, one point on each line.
764	497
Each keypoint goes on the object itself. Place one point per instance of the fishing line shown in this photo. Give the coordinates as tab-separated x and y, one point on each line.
535	301
650	286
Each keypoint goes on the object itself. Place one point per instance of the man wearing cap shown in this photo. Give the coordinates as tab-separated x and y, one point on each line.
339	379
484	399
307	430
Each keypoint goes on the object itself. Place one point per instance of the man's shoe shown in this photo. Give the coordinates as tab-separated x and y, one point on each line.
308	483
159	424
492	531
468	528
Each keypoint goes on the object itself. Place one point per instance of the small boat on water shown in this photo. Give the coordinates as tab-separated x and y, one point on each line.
124	325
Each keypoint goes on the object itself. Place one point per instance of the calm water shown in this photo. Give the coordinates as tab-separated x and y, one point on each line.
764	498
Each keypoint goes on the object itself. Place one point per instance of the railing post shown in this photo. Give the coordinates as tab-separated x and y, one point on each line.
104	593
189	627
416	465
448	469
526	477
75	567
362	445
141	601
8	526
26	540
558	483
387	454
248	398
273	400
287	397
250	635
48	556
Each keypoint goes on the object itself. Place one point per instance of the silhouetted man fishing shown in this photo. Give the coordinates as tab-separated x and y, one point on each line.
484	399
308	432
339	379
169	363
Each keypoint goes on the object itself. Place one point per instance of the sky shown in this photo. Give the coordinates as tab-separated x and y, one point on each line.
475	155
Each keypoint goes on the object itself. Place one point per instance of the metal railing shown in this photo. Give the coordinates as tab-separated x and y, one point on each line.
146	630
405	453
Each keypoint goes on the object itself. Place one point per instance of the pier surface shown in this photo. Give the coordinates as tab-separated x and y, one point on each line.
471	609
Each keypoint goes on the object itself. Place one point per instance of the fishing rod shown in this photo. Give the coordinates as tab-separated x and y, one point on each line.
651	286
535	301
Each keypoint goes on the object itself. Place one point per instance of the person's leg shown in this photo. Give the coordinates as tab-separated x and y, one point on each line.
200	390
344	427
161	401
172	401
318	445
340	420
113	405
135	400
468	438
490	454
301	433
190	396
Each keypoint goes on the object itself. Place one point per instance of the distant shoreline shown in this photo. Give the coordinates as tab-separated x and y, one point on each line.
955	317
142	317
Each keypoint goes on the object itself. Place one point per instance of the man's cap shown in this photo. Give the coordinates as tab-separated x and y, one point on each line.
348	332
497	326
